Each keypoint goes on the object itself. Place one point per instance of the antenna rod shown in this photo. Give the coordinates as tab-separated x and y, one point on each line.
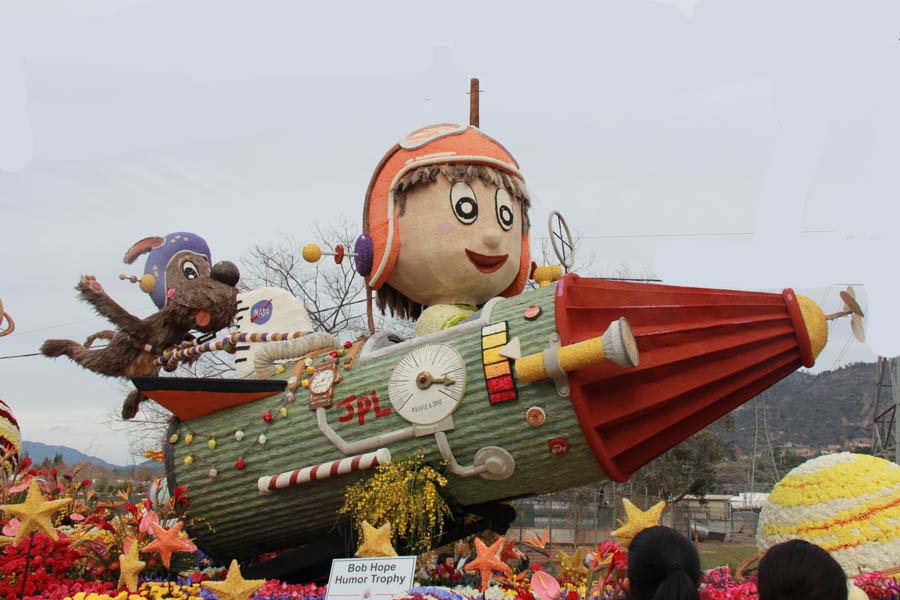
473	102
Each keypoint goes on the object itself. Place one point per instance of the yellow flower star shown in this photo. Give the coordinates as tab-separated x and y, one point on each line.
376	542
130	566
235	587
35	513
572	565
637	521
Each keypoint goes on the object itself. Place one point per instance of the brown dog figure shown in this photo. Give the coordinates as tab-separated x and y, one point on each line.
190	294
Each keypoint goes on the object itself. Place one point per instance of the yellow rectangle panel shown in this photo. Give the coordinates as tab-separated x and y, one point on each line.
494	340
492	355
496	369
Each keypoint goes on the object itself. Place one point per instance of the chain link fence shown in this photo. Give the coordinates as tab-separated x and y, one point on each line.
586	516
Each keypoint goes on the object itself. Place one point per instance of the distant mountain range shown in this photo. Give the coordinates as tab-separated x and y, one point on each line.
826	409
38	451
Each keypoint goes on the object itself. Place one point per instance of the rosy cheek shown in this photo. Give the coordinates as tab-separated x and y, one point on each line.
444	228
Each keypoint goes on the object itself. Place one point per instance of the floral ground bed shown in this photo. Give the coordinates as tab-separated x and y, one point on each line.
719	584
74	544
51	578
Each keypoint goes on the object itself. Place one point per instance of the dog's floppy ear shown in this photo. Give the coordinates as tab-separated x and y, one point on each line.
142	247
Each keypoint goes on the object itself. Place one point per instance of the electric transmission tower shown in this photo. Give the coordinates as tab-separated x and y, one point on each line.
885	424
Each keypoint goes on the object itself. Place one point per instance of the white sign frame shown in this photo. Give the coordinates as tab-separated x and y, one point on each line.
370	570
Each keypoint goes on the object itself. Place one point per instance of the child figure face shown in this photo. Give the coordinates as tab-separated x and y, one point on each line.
461	242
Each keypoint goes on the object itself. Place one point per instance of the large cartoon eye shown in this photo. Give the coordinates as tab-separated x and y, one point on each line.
463	203
189	270
504	209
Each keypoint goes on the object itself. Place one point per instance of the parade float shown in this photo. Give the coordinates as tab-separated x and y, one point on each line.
521	379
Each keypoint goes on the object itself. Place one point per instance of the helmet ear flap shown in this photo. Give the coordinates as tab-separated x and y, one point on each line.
385	243
142	247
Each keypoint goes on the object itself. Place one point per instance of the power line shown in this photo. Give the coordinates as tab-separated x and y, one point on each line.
617	236
39	353
20	355
57	326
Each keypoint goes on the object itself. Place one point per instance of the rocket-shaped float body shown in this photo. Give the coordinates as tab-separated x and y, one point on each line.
703	353
477	398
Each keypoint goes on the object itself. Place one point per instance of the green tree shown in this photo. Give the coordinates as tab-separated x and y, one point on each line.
690	467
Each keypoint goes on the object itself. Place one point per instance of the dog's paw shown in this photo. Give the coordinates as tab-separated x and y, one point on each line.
130	408
90	282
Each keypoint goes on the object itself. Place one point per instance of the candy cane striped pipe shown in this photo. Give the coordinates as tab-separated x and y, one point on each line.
191	351
266	336
226	344
351	464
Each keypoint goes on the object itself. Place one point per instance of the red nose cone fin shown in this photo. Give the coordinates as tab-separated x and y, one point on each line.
703	352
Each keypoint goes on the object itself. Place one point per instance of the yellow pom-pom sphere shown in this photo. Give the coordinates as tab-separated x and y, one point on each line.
305	383
188	460
173	439
188	438
816	324
311	253
279	369
212	444
849	504
148	283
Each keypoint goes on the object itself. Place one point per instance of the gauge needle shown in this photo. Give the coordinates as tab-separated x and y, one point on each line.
425	379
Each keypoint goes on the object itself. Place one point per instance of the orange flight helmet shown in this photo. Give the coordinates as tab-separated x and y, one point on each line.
443	143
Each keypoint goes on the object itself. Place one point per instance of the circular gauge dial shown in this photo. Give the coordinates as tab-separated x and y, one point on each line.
321	381
427	384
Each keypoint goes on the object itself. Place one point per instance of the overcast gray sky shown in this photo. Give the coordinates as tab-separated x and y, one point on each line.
743	144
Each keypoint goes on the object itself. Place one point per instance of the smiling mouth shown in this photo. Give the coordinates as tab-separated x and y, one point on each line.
485	263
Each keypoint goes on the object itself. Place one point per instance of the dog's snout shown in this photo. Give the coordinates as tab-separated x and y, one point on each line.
226	272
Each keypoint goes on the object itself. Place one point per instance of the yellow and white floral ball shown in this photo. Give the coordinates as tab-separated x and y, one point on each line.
849	504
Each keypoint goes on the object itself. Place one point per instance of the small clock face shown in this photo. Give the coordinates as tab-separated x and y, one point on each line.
321	382
427	384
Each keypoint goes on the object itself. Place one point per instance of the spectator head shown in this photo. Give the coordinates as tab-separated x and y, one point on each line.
798	569
445	560
662	565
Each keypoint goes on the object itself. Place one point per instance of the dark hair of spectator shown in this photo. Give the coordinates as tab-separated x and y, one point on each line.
442	558
663	565
798	569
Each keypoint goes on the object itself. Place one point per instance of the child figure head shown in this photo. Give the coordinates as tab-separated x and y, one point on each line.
447	211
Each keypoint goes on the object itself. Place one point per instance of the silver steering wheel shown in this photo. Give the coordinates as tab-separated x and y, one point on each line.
561	240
